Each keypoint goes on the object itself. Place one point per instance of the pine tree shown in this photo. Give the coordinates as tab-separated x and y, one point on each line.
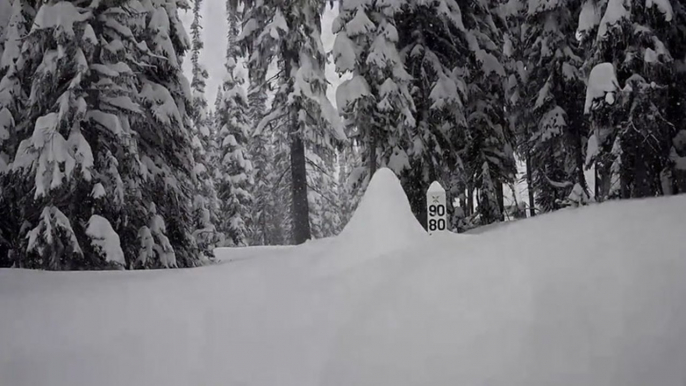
103	137
434	50
376	100
205	202
165	142
288	34
325	215
5	14
555	142
234	184
632	132
270	209
350	185
14	90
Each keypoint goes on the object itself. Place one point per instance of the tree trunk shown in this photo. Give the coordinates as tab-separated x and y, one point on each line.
579	160
501	198
300	206
470	200
529	184
372	155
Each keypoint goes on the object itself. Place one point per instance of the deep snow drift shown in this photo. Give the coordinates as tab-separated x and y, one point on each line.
592	296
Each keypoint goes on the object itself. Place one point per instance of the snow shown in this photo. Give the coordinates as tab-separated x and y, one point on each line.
105	239
601	81
665	7
351	91
614	14
360	24
589	17
383	221
589	301
592	150
61	16
540	6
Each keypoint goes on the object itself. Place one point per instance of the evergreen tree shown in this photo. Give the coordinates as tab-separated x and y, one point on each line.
234	184
325	217
376	100
633	135
5	14
165	141
14	90
551	101
100	186
490	151
205	202
435	52
288	34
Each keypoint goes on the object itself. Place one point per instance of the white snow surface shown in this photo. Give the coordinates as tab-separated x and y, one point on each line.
383	222
665	7
601	82
589	296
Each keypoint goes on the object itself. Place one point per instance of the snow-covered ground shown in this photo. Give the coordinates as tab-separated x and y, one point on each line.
593	296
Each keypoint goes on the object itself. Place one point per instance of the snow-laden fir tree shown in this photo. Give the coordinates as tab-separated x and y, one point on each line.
550	105
233	120
325	213
270	210
103	142
15	23
165	139
632	75
80	122
375	101
288	35
5	15
205	202
435	53
489	153
350	165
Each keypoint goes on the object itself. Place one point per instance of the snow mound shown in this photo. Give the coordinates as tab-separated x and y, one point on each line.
383	221
601	83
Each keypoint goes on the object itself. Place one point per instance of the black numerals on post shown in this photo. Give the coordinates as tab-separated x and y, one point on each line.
437	210
437	225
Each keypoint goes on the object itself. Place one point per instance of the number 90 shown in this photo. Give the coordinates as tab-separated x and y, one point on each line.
437	210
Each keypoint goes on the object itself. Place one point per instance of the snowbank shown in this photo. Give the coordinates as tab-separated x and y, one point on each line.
383	221
602	83
591	296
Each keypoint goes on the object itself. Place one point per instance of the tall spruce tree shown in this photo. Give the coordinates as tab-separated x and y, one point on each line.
205	201
288	35
234	184
552	106
101	187
631	72
376	100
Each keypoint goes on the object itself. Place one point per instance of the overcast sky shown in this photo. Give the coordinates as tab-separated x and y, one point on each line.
214	36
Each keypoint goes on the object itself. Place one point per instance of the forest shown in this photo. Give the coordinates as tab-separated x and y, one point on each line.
111	158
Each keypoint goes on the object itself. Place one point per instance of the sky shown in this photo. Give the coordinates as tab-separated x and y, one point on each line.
214	37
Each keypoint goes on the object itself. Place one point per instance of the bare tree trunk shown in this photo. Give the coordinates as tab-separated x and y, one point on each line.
501	198
372	155
470	200
300	206
529	185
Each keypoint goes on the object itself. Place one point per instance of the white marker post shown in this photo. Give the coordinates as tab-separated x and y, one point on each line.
436	210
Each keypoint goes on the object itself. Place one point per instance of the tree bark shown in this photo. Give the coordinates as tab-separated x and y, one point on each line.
300	206
500	194
470	200
529	184
372	155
